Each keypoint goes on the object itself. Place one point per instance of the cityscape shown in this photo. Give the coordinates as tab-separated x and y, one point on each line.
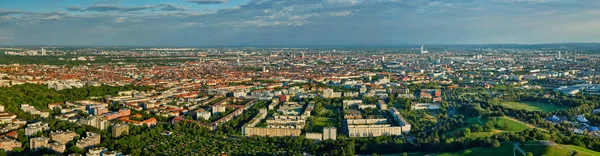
298	78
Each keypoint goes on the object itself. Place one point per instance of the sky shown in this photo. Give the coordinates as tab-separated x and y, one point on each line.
296	22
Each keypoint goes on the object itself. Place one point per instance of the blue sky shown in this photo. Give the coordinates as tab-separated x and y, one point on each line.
296	22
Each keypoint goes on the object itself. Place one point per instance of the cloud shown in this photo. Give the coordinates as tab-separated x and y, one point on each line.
120	20
11	12
172	7
207	1
108	8
340	13
113	8
306	22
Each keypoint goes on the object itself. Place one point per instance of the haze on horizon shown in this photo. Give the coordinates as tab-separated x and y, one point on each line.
296	22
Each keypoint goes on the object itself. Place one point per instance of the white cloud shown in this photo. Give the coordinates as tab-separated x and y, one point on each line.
340	13
120	19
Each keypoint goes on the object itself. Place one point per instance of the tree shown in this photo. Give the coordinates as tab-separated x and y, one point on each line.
495	144
467	132
17	150
529	154
404	154
76	149
477	128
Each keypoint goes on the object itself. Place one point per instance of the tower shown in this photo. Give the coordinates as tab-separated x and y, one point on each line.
303	55
423	51
558	54
382	58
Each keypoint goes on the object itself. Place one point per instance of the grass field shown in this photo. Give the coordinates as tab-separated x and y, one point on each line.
533	106
320	122
580	151
506	149
513	126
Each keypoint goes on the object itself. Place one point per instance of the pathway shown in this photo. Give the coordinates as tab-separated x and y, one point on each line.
518	148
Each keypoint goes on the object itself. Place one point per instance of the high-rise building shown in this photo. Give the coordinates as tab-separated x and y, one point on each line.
120	130
559	55
99	122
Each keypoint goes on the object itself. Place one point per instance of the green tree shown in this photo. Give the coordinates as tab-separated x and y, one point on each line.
529	154
495	144
76	149
467	132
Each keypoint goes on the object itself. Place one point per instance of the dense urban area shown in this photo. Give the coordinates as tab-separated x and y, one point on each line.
412	100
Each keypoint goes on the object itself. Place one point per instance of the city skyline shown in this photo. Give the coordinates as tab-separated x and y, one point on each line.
296	22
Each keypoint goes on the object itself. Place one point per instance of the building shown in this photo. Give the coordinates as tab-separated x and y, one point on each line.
216	109
329	133
92	139
57	147
150	122
120	113
329	93
30	109
405	126
290	123
349	103
120	130
419	106
97	151
99	122
259	131
314	136
201	113
37	143
7	117
33	128
581	119
9	144
62	137
382	105
112	153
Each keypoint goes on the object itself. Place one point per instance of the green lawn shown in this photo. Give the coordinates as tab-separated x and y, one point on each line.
556	150
320	122
513	126
580	151
506	149
533	106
